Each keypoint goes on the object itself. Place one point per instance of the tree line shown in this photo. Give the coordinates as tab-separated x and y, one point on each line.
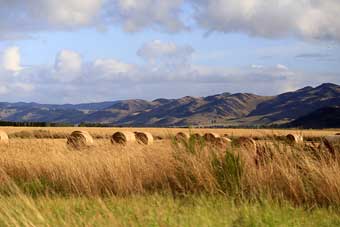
33	124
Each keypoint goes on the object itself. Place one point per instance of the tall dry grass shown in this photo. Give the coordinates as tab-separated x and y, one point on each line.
301	174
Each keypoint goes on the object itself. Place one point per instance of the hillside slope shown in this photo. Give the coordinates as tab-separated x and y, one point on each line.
292	105
222	109
327	117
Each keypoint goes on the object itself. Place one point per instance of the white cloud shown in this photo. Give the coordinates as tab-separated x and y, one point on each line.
32	15
71	13
11	59
136	15
281	67
111	68
309	19
68	65
166	55
159	49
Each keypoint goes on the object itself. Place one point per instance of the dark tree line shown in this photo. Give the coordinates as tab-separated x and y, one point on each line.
32	124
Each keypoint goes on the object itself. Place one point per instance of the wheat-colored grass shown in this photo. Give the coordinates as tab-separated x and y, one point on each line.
301	173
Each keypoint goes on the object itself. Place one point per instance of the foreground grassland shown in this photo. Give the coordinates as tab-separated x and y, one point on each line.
191	183
158	210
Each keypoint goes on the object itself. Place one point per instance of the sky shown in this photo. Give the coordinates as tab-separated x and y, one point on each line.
78	51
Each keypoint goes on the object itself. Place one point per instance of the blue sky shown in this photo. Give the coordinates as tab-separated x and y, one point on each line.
72	51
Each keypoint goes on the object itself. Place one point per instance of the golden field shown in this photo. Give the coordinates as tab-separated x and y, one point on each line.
275	168
38	171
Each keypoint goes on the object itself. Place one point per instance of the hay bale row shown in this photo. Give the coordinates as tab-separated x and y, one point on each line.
197	136
82	139
241	141
125	138
217	140
212	138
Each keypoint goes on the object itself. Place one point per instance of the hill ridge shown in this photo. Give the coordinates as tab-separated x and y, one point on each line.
223	109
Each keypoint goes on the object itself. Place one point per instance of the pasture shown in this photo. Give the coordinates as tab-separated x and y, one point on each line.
191	182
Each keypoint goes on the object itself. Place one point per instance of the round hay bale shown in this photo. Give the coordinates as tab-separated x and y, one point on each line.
211	137
222	141
247	143
294	139
332	143
3	138
196	136
145	138
123	138
182	136
248	149
79	139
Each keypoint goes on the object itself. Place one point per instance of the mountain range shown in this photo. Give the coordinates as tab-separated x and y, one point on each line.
226	109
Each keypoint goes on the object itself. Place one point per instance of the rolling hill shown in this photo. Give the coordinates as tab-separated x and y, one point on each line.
221	109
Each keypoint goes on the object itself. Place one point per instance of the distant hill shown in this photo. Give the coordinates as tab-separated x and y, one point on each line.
292	105
327	117
242	109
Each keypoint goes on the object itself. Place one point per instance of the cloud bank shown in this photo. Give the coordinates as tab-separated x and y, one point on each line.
305	19
308	19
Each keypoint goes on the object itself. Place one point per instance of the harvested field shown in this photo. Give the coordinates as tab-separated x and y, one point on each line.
103	168
302	175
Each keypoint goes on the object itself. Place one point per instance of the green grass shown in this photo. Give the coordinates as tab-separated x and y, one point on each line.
157	210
